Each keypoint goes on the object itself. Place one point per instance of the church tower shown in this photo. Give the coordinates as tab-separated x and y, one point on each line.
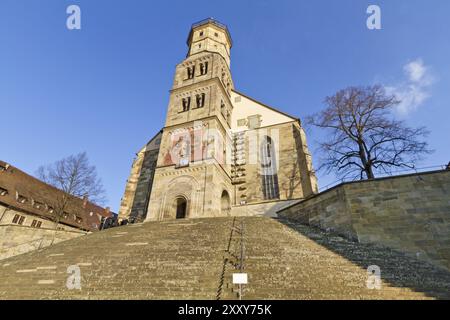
192	175
220	151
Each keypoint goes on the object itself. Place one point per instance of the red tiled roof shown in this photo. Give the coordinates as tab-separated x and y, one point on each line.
40	197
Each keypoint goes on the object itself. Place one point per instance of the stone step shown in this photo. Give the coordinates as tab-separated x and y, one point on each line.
184	259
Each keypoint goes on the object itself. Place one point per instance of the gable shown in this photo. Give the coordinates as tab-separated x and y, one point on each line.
246	109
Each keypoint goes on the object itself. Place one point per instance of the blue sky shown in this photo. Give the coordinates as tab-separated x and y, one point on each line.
104	89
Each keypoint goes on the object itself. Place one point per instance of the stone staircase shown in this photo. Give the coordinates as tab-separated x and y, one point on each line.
194	259
286	260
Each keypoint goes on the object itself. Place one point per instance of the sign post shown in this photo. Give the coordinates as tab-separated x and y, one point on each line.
240	279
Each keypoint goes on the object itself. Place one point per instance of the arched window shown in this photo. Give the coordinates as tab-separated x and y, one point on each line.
191	72
204	68
200	98
186	103
269	174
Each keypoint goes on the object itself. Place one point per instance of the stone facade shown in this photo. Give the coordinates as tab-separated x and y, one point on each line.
409	213
219	149
27	201
134	203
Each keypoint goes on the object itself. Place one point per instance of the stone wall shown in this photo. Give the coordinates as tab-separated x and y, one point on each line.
139	184
144	186
410	213
16	239
266	209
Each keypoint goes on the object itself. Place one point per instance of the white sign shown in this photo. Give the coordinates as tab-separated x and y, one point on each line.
240	278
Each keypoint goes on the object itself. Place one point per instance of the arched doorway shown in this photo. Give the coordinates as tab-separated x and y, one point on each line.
225	206
181	208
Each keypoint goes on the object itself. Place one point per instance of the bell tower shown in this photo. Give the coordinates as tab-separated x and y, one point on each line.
192	175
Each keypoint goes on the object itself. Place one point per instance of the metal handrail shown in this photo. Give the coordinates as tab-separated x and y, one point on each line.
28	242
242	249
225	261
237	258
207	20
213	21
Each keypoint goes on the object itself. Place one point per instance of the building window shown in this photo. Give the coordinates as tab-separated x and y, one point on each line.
18	219
186	103
21	199
201	33
203	68
223	109
228	117
216	34
269	175
191	72
241	122
36	224
3	192
39	205
254	121
222	78
200	99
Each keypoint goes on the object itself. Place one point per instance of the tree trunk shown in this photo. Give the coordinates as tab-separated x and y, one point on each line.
366	164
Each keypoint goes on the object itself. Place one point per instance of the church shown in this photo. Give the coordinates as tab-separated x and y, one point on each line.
220	152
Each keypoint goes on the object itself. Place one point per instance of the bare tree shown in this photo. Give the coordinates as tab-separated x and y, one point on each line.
76	178
363	138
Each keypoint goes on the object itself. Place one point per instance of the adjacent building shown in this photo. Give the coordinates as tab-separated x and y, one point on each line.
28	213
